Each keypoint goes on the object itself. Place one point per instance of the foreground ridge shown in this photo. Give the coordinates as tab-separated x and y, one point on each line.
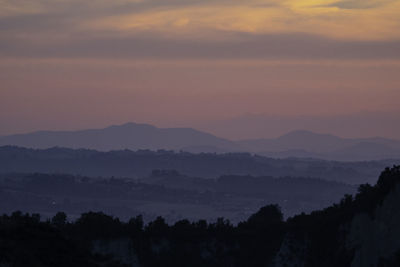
329	237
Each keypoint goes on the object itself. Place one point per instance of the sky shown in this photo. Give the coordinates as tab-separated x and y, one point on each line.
76	64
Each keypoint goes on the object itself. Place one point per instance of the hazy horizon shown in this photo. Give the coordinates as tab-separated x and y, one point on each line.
79	64
256	126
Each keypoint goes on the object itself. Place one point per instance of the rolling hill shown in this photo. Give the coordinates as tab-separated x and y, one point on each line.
133	136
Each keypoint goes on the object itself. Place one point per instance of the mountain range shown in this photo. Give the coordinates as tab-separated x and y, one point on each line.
324	146
135	136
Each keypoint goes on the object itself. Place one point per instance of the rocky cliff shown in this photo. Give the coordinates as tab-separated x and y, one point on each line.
375	238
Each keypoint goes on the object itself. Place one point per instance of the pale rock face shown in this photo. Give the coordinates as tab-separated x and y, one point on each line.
120	249
291	253
370	237
378	236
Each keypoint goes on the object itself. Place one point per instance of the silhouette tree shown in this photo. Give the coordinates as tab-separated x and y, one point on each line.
59	219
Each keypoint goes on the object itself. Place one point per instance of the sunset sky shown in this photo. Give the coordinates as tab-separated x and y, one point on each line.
74	64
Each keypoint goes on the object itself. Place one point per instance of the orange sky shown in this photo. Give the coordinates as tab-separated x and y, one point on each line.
69	64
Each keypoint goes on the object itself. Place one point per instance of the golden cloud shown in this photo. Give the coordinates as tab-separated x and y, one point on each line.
324	18
337	19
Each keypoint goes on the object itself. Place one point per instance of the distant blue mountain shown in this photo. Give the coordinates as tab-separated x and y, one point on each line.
133	136
127	136
324	146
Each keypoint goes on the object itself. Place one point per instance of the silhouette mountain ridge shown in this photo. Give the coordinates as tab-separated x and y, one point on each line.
136	136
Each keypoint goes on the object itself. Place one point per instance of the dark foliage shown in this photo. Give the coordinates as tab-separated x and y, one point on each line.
325	230
27	241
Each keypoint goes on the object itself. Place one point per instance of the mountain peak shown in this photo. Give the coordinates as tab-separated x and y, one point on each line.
132	125
130	135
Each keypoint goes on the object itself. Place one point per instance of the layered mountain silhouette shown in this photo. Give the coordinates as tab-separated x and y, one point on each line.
135	136
131	136
325	146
